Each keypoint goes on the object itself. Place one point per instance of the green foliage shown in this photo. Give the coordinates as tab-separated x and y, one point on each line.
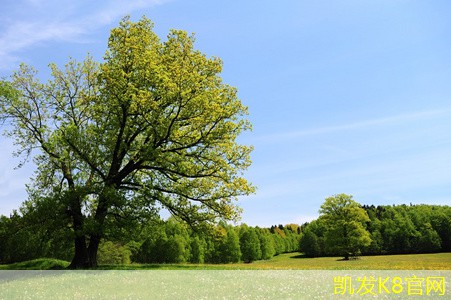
172	241
397	229
377	242
345	220
165	242
309	244
31	236
176	249
440	220
417	233
266	244
429	240
230	249
250	245
279	244
113	253
153	250
198	248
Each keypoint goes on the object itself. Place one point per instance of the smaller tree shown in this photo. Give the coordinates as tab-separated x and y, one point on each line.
113	253
345	222
230	249
176	249
309	244
198	248
267	244
250	245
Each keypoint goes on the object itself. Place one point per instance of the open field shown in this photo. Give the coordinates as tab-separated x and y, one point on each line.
224	284
287	276
294	261
436	261
287	261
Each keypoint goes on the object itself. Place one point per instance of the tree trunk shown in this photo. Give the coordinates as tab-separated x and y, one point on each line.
94	242
96	236
85	256
80	260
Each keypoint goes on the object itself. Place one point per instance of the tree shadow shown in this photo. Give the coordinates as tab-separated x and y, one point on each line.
300	256
349	259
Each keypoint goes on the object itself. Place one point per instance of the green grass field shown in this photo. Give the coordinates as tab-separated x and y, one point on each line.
295	261
287	276
288	261
436	261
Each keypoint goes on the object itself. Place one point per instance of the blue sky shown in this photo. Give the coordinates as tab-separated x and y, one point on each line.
348	96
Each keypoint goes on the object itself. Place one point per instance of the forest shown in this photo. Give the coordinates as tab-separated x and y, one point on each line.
393	230
397	229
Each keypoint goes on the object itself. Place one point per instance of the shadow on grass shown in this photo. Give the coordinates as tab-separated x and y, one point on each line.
144	267
349	259
161	267
37	268
300	256
49	264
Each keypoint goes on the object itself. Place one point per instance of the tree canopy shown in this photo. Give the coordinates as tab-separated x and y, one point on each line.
152	126
345	220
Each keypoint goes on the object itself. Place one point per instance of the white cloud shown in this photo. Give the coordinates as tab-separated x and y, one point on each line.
47	21
385	121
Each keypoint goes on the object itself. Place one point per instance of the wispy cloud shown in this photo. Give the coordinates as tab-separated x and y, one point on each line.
47	21
385	121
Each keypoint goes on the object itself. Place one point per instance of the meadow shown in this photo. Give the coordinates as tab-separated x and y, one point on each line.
286	276
286	261
435	261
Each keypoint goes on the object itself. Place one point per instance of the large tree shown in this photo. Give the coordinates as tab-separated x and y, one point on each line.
345	223
152	126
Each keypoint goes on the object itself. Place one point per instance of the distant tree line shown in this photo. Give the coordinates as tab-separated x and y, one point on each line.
397	229
175	242
158	241
400	229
